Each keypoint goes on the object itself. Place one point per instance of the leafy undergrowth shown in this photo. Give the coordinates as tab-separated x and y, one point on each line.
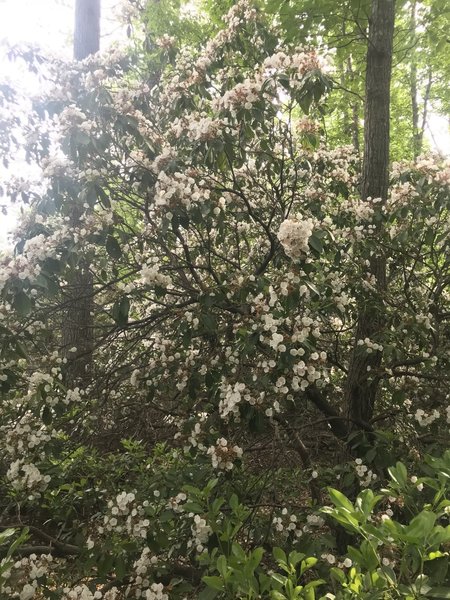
168	535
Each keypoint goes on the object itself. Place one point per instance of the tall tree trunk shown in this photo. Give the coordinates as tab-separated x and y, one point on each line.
78	323
351	118
416	143
426	100
86	39
361	387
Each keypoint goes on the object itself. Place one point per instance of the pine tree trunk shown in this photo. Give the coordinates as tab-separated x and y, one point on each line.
361	388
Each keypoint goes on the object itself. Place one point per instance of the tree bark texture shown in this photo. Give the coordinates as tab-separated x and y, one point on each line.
78	321
362	383
87	28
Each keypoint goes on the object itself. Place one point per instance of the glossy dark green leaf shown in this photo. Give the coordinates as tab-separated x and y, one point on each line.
22	303
113	247
120	311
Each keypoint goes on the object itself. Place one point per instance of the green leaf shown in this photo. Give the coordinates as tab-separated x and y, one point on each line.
279	578
256	558
439	592
437	568
7	533
389	575
366	501
113	247
315	243
213	582
221	566
279	555
47	416
208	593
22	303
340	500
120	311
238	552
275	595
421	526
399	474
338	574
234	502
308	563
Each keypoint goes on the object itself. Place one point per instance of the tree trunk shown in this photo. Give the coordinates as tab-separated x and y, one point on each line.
86	39
361	387
416	142
78	323
351	119
354	107
426	100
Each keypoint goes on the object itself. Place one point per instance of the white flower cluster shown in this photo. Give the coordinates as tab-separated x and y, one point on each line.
40	247
370	346
401	194
313	521
294	235
73	117
287	523
93	175
304	375
27	434
423	418
200	532
302	62
151	275
26	476
231	396
222	456
277	342
126	516
156	592
81	592
140	583
307	125
38	378
419	486
72	396
194	435
366	476
178	188
57	166
362	210
176	502
27	265
425	320
243	94
163	160
23	576
17	266
204	129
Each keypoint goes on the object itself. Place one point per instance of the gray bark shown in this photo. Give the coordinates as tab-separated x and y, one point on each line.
78	323
362	383
86	39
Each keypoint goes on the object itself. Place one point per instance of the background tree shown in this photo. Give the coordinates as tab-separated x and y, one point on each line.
78	320
361	388
86	39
